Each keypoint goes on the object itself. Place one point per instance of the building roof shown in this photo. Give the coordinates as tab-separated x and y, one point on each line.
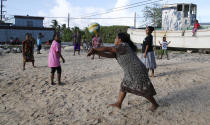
25	28
29	17
175	5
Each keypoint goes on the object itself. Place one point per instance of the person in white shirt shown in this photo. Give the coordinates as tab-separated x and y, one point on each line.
164	45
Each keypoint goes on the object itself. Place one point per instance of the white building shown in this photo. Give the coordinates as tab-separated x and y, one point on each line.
22	25
178	16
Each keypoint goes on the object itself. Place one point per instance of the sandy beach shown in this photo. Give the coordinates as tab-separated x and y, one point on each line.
27	98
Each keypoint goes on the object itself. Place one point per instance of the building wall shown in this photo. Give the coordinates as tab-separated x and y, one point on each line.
176	20
26	22
5	34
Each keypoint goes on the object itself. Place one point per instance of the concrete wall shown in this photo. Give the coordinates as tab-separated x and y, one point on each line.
179	39
28	22
5	34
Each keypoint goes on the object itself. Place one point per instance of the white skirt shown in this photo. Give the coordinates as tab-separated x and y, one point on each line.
149	61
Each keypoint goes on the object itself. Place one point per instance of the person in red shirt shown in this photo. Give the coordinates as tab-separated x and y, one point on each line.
196	27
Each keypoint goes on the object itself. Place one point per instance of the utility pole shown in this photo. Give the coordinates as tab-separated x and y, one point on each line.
2	9
135	20
68	19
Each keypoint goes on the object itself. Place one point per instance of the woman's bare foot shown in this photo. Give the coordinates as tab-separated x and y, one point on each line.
116	105
53	83
153	108
152	76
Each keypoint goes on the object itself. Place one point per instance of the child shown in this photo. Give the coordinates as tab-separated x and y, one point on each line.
28	51
54	58
136	80
148	56
196	27
164	44
39	43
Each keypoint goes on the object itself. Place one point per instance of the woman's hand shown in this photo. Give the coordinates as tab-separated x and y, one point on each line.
63	60
91	52
145	55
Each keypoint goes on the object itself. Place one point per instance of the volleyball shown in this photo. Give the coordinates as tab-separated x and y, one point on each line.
94	28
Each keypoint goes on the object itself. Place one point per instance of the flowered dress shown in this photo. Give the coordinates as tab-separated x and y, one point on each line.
28	51
136	79
96	42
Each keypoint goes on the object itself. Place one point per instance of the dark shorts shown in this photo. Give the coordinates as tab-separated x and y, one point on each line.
77	47
39	47
54	69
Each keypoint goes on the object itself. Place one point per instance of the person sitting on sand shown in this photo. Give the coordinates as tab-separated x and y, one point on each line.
196	27
28	51
54	58
164	44
136	79
148	54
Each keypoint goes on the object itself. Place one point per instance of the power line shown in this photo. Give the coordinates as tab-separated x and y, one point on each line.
125	8
77	18
121	6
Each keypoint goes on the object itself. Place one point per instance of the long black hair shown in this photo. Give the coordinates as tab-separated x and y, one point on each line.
126	39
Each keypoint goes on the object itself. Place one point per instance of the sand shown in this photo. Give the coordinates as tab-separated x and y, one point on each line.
27	98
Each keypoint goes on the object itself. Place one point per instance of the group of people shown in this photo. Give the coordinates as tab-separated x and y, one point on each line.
77	38
136	79
136	71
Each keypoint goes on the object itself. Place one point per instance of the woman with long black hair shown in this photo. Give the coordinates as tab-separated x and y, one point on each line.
148	56
136	79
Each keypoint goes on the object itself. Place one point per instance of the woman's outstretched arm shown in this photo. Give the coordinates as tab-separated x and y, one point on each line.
106	49
108	52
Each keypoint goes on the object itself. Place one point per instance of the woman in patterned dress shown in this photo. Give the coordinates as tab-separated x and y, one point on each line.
136	79
28	51
96	42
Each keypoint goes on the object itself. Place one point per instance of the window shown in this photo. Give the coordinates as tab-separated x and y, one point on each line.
29	23
193	9
186	10
179	8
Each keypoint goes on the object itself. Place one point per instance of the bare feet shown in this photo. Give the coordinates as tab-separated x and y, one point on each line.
116	105
153	108
52	83
152	76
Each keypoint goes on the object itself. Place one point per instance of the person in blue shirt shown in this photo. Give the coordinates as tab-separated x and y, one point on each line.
39	43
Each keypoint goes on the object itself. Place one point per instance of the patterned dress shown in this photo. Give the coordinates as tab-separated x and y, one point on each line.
28	51
136	79
96	42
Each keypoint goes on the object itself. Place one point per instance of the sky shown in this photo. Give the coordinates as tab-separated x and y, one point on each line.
82	8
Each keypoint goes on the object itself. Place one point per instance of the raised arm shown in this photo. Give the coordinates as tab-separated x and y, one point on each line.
169	42
160	43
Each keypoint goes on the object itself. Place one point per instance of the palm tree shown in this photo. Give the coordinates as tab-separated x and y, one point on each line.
54	24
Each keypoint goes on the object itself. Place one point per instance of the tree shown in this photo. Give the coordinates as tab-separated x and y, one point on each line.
153	15
54	24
